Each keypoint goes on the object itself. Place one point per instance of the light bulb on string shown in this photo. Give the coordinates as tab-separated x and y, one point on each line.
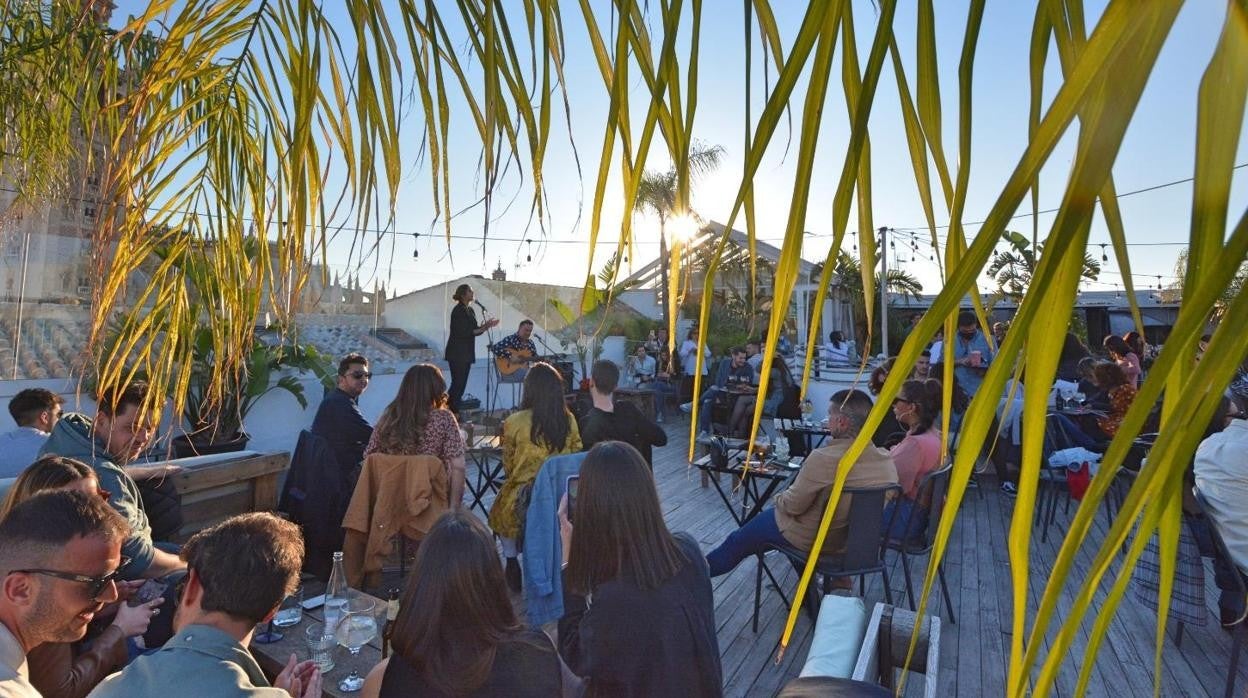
528	257
415	246
1104	257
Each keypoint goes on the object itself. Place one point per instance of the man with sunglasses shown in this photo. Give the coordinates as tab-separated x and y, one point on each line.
60	557
339	420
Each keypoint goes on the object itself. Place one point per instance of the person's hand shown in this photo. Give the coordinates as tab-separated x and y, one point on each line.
126	589
133	620
299	679
565	527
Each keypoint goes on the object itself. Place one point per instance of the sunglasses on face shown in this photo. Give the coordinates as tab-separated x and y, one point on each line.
94	584
360	374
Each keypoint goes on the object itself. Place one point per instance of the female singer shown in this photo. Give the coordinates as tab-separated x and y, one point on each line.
461	345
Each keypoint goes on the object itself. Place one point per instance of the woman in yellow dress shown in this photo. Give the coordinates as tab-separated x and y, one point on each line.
542	428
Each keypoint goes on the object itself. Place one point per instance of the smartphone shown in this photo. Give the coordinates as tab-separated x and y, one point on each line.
150	590
313	603
573	481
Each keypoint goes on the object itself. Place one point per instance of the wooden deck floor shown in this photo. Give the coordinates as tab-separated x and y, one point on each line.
975	650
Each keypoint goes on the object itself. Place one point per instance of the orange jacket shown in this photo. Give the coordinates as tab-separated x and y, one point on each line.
395	494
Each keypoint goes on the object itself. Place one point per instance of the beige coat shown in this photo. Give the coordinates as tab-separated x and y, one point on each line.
395	494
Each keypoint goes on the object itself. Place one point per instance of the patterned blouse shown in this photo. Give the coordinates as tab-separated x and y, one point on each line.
1119	400
441	438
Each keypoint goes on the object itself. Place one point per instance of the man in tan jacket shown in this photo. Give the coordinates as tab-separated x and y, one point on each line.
794	519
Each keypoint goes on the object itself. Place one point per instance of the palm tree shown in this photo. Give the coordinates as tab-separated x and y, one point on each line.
224	121
1013	269
1232	291
849	279
657	193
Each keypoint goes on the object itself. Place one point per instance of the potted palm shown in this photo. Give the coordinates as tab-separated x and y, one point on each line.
216	424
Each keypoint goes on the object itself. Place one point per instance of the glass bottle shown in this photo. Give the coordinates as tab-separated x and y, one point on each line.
335	595
392	612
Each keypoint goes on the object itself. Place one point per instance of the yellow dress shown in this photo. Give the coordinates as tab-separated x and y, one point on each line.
521	460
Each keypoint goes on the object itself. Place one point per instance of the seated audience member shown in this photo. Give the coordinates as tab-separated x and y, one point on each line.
542	428
457	633
922	367
239	572
916	407
890	431
650	630
60	555
418	423
733	371
837	350
1135	340
1125	357
784	346
643	372
1238	389
36	411
1220	468
72	669
998	332
109	443
1116	395
1073	354
743	411
611	421
1084	378
794	519
754	356
688	354
338	420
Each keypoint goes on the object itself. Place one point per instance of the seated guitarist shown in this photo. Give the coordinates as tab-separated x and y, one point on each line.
515	352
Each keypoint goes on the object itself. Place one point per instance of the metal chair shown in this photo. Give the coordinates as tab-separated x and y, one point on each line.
864	550
930	504
1238	628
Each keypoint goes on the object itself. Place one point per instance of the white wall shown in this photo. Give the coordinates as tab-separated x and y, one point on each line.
644	301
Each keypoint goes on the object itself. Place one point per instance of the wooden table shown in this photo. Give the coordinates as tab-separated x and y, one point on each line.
273	656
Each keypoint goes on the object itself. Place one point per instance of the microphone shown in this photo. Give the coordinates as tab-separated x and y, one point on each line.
538	337
482	307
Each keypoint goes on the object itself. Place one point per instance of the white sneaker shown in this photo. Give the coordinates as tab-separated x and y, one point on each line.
687	408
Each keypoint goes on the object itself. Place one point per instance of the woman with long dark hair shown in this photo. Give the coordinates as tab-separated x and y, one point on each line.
456	633
1125	357
73	669
650	630
1117	394
542	428
743	410
461	342
417	423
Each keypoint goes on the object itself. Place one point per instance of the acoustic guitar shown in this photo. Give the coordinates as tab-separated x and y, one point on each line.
520	358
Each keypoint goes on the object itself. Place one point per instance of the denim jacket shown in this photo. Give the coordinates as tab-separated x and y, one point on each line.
543	549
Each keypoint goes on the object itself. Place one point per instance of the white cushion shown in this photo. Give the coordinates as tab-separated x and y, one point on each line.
839	631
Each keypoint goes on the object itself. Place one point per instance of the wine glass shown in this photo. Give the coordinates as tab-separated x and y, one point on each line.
808	409
356	629
1067	395
1080	398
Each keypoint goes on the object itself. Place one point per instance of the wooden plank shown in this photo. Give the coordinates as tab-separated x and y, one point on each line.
210	475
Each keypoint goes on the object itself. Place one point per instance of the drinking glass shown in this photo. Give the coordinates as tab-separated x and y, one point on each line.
1067	395
1080	398
355	630
291	610
321	646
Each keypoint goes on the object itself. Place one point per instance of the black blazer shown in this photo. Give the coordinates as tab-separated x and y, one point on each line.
461	345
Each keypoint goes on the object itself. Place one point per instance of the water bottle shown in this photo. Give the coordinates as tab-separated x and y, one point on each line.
808	409
335	595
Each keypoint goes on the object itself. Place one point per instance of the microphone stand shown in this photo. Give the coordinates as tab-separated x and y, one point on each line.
491	381
550	352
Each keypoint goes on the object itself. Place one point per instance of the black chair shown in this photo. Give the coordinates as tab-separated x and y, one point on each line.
864	550
1239	627
933	491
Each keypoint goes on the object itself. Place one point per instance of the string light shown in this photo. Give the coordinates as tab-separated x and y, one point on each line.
1104	257
415	245
529	256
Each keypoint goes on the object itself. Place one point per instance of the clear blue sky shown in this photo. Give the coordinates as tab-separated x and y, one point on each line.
1158	148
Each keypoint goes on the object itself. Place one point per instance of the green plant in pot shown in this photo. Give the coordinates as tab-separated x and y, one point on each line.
215	423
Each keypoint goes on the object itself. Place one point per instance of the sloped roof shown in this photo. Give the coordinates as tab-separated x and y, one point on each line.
708	237
530	299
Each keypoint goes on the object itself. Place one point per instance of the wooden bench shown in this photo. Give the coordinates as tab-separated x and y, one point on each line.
214	488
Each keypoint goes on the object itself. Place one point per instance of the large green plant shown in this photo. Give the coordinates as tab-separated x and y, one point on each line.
213	419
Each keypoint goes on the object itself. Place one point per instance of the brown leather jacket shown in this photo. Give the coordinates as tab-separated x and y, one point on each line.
65	670
395	494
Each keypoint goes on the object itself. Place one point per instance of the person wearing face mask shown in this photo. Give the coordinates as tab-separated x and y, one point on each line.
971	353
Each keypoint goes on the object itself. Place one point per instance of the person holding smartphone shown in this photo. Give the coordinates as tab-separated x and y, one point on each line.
651	588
